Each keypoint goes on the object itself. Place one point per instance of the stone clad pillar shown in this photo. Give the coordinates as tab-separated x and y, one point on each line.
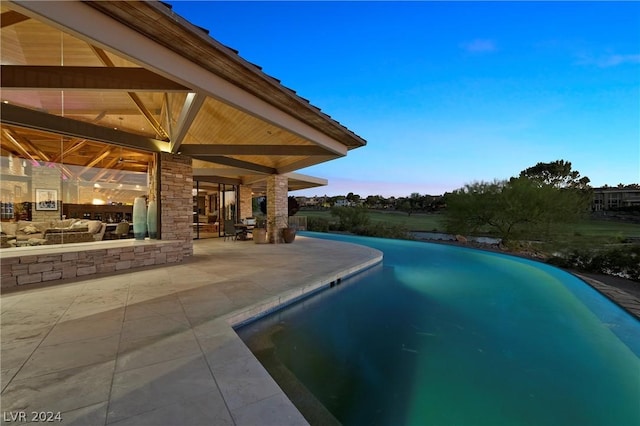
277	206
245	201
176	200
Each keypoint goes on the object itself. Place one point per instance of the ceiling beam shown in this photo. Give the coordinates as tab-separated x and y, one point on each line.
217	179
221	171
238	163
271	150
11	18
85	78
102	55
36	120
190	109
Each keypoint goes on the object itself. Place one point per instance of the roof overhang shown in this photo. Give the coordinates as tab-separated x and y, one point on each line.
135	74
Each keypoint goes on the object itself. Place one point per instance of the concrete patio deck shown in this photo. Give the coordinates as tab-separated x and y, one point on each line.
155	346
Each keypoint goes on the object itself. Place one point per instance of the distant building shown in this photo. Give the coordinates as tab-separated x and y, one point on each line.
342	202
608	198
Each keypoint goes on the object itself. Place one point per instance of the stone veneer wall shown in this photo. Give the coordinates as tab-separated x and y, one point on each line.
31	267
176	201
246	202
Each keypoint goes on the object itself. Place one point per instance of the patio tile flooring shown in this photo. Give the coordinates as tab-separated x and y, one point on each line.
155	346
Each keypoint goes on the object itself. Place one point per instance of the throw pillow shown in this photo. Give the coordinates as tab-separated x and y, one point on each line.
30	229
94	226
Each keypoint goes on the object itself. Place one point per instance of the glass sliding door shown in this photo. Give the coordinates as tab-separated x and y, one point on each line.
228	205
207	209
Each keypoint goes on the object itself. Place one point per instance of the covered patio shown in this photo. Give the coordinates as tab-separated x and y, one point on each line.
156	346
107	103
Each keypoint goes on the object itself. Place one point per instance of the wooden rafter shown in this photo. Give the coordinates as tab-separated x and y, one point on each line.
101	156
190	109
11	18
102	55
106	169
75	146
8	135
26	147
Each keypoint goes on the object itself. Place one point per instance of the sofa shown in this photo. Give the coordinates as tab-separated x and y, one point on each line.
51	232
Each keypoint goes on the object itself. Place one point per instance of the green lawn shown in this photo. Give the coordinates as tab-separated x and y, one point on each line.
593	230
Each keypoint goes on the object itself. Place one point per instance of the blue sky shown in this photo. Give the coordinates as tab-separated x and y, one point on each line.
447	93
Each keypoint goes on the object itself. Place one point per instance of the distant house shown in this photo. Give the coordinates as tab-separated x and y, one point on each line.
342	202
607	198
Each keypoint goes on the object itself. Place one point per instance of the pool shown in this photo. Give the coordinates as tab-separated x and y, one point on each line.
445	335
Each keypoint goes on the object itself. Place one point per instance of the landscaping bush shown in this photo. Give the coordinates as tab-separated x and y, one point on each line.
385	231
622	261
352	219
318	224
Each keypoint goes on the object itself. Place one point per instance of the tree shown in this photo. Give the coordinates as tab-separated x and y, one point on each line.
353	198
404	205
557	174
520	207
292	205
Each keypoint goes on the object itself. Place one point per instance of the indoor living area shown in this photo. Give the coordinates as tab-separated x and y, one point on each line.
56	189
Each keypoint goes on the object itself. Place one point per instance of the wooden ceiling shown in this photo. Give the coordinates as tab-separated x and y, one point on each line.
65	94
50	148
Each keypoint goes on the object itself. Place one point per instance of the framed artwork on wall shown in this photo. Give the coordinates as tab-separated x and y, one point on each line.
47	199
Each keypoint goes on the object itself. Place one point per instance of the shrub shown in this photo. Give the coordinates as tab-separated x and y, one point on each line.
352	219
383	230
623	261
318	224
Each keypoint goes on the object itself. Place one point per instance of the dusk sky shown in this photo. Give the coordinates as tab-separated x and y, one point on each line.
447	93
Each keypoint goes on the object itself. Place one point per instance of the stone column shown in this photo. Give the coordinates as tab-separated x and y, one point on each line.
245	201
277	207
176	200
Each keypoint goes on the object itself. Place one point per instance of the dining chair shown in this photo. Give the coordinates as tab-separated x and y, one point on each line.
230	230
122	230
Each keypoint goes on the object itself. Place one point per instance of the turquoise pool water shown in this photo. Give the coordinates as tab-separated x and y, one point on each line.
443	335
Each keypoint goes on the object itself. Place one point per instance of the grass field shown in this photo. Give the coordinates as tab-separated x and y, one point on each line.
592	230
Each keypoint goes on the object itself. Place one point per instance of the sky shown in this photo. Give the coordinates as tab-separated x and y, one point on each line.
450	93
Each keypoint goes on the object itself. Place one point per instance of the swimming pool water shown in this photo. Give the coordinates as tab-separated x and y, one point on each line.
444	335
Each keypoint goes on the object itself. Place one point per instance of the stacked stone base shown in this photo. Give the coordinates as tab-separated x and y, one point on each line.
38	268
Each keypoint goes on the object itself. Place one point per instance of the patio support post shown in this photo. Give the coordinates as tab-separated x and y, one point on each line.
277	207
245	199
